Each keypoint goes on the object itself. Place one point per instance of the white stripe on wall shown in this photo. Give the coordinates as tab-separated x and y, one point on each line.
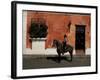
24	29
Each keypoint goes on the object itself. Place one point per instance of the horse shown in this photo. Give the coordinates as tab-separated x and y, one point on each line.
61	51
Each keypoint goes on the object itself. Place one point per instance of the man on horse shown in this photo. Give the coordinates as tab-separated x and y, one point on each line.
65	42
63	47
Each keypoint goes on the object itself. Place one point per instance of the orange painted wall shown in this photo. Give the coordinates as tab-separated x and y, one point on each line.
57	26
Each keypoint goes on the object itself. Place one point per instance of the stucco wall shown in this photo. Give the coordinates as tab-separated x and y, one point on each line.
58	26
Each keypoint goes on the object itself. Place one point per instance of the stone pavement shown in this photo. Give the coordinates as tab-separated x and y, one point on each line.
51	61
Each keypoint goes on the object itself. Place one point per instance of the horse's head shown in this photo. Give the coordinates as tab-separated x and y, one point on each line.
54	43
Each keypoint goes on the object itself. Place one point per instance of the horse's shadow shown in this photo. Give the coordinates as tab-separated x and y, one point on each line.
56	58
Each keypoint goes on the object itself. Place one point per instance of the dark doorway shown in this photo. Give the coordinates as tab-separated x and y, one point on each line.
80	37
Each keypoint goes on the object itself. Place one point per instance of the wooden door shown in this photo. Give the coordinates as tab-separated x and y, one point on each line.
80	37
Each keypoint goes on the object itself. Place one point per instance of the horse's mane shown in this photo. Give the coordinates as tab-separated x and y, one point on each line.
58	42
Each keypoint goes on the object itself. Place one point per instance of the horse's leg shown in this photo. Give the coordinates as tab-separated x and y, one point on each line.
62	53
59	57
71	54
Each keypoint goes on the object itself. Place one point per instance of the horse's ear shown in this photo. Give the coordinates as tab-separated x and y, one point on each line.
54	40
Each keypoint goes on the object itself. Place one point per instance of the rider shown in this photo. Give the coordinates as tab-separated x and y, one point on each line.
65	42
